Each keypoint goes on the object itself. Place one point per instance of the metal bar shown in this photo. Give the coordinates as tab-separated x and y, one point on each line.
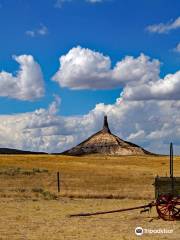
172	168
170	159
113	211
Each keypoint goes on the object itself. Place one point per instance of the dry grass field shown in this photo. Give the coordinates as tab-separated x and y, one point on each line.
31	207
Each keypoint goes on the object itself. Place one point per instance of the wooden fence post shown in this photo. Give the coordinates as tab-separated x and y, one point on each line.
58	181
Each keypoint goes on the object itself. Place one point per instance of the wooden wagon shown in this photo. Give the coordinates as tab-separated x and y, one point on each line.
167	195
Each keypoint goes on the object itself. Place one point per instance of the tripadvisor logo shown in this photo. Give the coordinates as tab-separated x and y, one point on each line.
139	231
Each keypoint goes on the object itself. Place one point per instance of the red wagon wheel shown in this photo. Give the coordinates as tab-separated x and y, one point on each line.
168	207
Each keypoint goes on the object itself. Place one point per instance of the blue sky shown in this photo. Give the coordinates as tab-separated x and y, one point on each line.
64	64
116	28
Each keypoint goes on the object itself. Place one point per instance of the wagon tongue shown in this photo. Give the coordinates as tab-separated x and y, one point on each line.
146	207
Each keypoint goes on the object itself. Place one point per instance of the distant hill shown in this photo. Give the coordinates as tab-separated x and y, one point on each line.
17	151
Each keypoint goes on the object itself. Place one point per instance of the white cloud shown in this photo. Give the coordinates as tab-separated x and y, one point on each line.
177	49
53	107
41	31
59	3
95	1
151	124
30	33
164	27
83	68
44	130
28	84
163	89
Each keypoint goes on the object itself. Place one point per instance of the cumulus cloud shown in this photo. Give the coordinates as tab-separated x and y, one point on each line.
139	77
151	124
83	68
27	84
163	89
41	31
42	130
164	27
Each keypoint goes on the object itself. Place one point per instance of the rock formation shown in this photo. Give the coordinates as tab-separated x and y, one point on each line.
106	143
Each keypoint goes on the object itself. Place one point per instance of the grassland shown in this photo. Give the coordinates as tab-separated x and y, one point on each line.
31	207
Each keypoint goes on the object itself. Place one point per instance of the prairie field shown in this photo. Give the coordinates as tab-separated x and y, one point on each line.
32	207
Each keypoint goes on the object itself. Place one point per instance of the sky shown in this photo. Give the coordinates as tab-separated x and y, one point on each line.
66	63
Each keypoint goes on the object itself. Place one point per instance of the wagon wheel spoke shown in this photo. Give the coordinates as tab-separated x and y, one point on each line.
171	215
176	208
177	212
162	207
162	201
176	200
168	207
163	212
166	211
